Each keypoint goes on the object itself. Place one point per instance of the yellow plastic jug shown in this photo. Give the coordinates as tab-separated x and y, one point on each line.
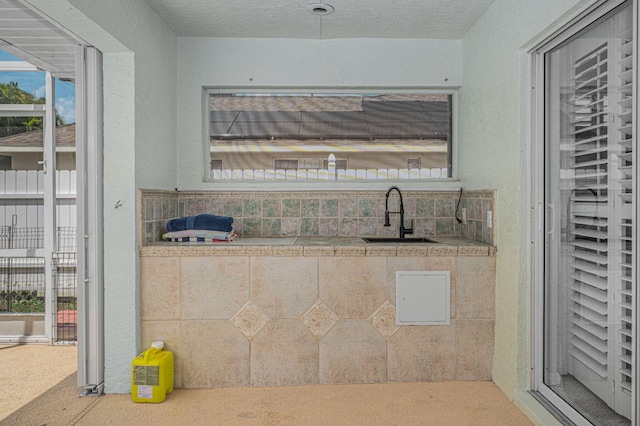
152	374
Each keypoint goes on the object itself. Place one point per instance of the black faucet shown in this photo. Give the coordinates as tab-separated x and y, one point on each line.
403	231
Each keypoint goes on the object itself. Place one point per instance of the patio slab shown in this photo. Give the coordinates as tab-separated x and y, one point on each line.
55	400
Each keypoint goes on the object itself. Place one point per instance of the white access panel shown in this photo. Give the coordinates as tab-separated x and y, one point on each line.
423	297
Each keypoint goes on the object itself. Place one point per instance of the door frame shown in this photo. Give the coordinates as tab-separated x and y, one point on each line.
89	164
556	405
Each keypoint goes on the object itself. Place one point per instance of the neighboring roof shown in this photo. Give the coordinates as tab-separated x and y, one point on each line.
65	137
329	116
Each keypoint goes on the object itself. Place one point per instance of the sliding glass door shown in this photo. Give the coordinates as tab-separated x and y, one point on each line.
588	318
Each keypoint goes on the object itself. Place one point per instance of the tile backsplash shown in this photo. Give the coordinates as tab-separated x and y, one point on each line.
324	213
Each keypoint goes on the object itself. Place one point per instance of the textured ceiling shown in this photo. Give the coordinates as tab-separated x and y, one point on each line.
28	35
443	19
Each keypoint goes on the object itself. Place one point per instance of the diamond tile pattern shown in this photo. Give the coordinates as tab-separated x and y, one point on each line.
319	319
249	320
384	319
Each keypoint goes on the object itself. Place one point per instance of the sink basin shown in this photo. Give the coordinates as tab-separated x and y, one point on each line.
396	240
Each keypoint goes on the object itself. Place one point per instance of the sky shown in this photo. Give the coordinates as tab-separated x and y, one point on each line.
33	82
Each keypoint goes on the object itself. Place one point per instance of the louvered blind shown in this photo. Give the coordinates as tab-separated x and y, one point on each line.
588	224
600	214
622	165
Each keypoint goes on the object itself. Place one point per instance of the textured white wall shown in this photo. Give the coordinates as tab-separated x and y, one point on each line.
277	63
139	56
154	46
494	152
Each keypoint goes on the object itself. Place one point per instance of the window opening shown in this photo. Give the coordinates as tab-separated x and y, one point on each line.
329	136
216	164
35	224
5	162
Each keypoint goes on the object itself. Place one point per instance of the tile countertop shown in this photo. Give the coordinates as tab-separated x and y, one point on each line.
320	246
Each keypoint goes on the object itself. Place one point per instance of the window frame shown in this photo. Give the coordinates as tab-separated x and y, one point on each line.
415	184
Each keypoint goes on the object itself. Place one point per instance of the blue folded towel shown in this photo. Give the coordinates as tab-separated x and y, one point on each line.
201	221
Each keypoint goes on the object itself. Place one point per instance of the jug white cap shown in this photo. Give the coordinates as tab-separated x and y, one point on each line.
158	345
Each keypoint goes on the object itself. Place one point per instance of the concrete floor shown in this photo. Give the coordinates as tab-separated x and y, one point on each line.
39	388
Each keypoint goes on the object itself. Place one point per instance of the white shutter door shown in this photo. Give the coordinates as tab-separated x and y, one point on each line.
600	212
588	230
622	171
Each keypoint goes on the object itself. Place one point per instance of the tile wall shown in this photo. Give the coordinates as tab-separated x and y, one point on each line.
249	321
323	213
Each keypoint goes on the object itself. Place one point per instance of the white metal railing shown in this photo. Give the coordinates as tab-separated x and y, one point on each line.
325	174
26	282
